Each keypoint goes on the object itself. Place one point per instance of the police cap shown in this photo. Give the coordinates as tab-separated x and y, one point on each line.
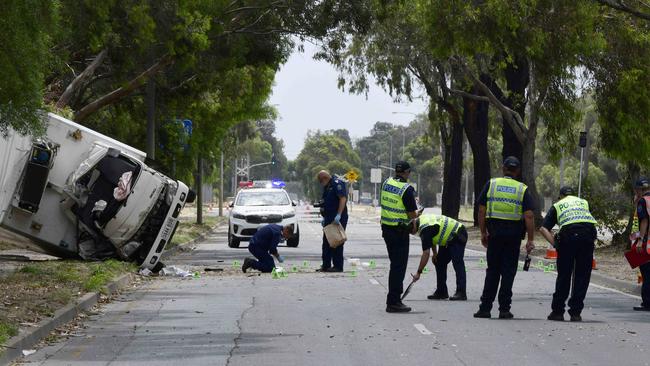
402	166
566	191
511	162
642	182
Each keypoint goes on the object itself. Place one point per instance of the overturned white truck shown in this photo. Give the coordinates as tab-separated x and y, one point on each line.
76	193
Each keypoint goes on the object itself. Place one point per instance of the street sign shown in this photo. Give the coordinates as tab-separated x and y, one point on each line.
351	176
375	175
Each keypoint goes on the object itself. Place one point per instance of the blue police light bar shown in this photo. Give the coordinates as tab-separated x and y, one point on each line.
278	184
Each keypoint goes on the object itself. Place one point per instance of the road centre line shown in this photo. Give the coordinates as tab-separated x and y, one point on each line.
422	329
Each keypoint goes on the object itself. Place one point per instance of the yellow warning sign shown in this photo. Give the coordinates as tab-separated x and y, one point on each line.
351	176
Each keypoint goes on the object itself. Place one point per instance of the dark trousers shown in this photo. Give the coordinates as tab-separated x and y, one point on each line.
502	260
397	244
453	252
574	256
333	256
645	288
264	262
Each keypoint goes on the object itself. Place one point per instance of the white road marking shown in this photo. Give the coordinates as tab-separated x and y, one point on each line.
422	329
616	291
373	281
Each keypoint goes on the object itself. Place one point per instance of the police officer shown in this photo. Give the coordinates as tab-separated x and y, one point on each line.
450	236
264	244
642	191
398	208
335	210
575	251
505	214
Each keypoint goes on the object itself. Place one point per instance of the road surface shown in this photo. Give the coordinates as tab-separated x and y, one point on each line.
318	319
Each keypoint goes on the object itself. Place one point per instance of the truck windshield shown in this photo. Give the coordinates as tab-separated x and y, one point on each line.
278	198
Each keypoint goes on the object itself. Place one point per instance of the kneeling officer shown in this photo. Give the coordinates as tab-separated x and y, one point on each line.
450	236
575	251
264	244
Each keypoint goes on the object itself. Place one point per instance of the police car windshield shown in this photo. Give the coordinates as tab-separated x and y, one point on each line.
278	198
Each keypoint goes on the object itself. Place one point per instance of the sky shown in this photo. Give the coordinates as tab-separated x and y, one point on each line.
306	97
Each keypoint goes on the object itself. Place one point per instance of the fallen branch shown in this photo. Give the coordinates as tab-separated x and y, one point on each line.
80	80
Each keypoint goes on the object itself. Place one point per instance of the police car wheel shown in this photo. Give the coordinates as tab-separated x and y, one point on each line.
293	242
233	241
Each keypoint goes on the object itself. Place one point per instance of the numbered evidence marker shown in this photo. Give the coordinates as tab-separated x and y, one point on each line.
373	264
235	263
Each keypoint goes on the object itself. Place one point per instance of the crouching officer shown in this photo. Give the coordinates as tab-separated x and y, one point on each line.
398	208
335	210
264	244
505	214
450	236
642	194
575	250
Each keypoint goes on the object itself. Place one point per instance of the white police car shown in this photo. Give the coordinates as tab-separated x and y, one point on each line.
254	207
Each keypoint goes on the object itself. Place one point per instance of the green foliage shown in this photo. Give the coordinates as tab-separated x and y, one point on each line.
324	151
24	55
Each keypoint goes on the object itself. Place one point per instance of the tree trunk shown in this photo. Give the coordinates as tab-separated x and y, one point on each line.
80	80
453	172
475	122
589	122
517	79
150	97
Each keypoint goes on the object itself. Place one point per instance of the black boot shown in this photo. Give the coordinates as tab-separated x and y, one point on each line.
459	296
438	296
248	263
558	317
397	308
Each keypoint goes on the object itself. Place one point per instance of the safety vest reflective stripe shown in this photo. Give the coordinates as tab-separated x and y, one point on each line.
384	207
393	211
636	227
505	199
573	210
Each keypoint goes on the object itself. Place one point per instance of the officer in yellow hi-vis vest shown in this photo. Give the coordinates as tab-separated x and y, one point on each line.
398	209
505	215
446	238
575	251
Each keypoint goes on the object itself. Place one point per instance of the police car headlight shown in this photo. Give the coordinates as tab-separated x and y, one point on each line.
238	215
288	215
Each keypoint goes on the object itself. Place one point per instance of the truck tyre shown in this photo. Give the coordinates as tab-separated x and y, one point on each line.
295	240
233	241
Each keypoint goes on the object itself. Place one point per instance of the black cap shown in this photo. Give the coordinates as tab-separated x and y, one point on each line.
402	166
642	182
511	162
566	191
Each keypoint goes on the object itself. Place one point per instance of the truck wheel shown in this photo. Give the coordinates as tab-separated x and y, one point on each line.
233	241
293	242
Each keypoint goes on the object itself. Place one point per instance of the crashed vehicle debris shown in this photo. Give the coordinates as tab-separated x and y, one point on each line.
75	193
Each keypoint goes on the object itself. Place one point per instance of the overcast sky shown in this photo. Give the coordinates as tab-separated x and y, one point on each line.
307	98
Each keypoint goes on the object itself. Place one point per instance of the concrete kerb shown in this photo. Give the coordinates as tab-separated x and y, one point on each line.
597	278
29	338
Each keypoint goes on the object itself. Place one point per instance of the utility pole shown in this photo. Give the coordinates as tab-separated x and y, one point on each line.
466	172
221	185
150	96
199	190
562	170
583	144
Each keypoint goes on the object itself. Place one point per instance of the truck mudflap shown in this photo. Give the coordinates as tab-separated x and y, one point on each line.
168	227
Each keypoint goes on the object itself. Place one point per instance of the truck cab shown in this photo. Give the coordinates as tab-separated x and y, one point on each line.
76	193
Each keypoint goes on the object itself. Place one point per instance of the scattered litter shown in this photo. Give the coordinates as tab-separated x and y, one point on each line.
146	272
354	262
208	269
27	352
174	271
365	264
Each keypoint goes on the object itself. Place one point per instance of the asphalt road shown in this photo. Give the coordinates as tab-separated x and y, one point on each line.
309	318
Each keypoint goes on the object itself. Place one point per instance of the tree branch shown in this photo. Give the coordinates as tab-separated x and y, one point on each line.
80	80
121	92
621	6
513	118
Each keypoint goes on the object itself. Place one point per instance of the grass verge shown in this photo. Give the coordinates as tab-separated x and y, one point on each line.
37	290
190	230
